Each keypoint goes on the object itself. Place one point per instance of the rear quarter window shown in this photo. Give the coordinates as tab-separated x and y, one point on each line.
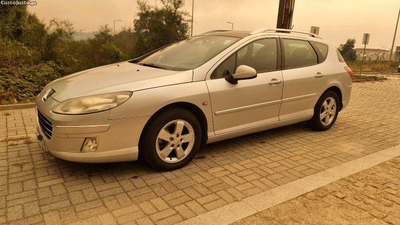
321	48
340	57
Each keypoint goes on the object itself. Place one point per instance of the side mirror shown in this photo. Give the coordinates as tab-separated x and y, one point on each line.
243	72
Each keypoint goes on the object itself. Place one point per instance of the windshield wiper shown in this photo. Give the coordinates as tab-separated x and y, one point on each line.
152	65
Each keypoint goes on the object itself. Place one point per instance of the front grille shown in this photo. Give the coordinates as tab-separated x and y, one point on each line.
45	125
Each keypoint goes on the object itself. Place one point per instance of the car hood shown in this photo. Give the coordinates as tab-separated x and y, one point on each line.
123	76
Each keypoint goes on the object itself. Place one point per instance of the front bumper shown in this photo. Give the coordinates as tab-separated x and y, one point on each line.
118	139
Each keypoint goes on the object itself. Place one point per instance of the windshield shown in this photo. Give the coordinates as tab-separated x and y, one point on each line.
188	54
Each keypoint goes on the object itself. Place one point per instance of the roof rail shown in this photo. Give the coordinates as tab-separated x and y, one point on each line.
215	31
264	30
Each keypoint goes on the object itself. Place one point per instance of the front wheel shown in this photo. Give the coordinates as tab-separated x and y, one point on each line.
171	140
325	112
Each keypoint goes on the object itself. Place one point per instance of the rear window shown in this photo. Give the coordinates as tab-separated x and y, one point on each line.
340	57
323	49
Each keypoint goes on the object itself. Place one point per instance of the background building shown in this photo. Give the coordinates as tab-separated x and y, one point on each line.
372	54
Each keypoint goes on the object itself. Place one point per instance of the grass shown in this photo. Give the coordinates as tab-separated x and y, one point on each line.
7	114
373	66
15	140
361	78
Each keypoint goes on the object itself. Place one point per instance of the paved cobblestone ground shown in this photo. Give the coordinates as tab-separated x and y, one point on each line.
369	197
35	187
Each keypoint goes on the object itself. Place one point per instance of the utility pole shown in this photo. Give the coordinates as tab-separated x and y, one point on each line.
114	24
285	14
231	24
191	27
394	39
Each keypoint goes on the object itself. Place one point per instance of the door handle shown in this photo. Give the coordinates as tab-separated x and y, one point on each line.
274	81
318	75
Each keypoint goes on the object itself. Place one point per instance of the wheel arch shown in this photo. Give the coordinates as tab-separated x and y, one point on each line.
197	112
337	90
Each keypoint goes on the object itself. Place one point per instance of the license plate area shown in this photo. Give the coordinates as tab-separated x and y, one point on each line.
42	142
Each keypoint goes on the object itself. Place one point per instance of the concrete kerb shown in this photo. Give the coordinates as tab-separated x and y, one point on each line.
17	106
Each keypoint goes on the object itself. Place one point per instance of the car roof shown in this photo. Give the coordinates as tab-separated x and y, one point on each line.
232	33
264	31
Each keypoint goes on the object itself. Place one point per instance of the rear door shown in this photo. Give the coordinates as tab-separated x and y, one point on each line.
304	76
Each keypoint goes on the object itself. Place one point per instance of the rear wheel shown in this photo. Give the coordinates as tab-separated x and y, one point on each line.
171	140
325	112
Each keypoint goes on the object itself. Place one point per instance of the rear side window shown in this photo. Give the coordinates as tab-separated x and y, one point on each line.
299	53
323	49
340	57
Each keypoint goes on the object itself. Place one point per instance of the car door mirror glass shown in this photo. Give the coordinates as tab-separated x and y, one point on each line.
243	72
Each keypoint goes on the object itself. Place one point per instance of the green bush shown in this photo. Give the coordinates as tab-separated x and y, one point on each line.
32	53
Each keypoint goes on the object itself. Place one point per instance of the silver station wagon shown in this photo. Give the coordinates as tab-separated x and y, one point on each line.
165	105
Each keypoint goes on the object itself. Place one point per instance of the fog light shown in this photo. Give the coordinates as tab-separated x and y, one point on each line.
89	145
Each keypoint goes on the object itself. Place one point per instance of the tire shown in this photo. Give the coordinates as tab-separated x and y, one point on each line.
325	112
166	148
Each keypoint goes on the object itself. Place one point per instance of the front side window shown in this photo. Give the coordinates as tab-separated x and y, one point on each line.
260	55
299	53
190	53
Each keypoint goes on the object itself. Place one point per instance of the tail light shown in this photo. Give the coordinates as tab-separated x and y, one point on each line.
349	71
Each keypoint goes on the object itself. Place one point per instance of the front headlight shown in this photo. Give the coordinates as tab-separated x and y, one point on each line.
91	104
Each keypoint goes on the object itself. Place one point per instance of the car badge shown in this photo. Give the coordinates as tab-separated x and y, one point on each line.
48	94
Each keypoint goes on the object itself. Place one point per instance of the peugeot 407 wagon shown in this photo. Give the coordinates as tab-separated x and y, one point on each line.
164	105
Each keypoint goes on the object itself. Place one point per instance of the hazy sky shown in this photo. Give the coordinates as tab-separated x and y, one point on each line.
338	19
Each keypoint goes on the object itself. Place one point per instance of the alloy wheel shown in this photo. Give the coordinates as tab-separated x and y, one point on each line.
328	111
175	141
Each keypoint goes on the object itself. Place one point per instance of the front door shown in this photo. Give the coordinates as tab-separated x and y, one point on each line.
252	102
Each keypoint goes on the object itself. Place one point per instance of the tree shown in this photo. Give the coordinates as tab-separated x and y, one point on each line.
157	27
347	50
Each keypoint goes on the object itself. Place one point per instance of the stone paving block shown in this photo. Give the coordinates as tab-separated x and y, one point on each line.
54	206
124	199
162	214
207	198
131	217
76	197
14	212
88	205
30	185
196	207
110	192
15	188
159	203
107	219
126	210
185	211
148	208
111	203
68	214
91	212
214	204
170	220
38	219
31	209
